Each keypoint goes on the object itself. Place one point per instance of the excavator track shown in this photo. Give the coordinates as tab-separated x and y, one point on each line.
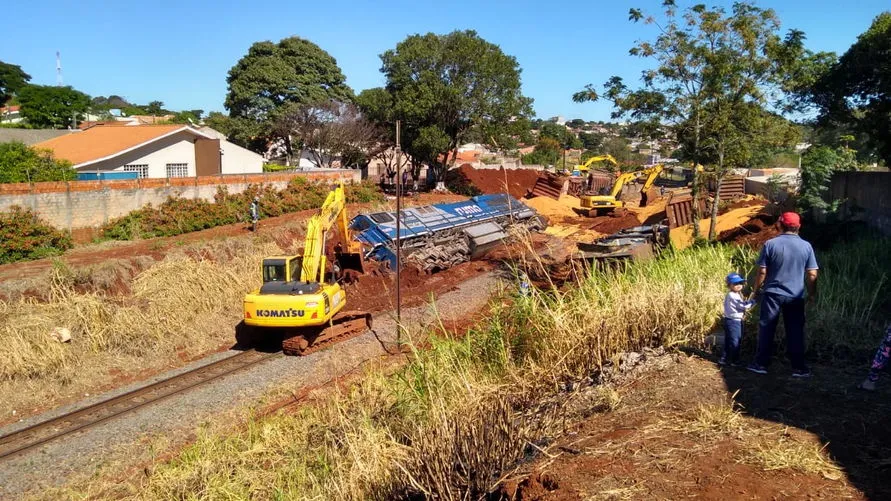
343	326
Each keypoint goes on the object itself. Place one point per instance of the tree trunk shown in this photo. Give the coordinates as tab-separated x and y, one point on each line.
719	178
694	192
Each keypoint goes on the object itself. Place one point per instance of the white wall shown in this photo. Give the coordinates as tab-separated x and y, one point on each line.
176	149
238	160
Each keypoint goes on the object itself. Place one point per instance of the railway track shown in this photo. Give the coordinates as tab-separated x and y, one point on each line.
52	429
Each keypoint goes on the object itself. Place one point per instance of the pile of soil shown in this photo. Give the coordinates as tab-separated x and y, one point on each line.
555	210
374	291
471	181
618	220
754	233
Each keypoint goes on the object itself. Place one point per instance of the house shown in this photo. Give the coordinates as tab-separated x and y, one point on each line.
10	114
30	136
154	151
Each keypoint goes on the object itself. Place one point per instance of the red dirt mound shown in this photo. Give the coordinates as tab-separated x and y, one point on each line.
613	223
518	181
754	233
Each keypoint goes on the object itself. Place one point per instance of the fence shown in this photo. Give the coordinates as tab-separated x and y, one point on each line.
865	196
82	206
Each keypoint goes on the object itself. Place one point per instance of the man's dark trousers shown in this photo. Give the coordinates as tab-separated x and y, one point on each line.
792	309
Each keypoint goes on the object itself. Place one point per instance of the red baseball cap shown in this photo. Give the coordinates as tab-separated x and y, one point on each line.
790	220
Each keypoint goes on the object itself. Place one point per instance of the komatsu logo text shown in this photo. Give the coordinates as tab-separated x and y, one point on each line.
289	313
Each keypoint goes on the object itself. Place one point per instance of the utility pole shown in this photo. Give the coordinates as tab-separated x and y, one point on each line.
398	237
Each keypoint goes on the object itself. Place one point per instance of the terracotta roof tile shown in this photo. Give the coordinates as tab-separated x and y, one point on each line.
102	141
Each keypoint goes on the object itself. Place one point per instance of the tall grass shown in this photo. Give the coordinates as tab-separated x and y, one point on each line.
853	301
460	412
172	303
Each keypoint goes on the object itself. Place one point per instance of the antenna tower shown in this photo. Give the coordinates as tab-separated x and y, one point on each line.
58	68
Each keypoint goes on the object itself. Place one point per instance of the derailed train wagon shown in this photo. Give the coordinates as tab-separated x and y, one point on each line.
436	237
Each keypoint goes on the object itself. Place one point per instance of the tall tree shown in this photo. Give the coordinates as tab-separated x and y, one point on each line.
443	86
855	92
12	78
272	80
330	131
710	67
52	107
155	108
377	106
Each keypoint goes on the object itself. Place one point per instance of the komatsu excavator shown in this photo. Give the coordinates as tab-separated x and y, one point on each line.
301	298
599	204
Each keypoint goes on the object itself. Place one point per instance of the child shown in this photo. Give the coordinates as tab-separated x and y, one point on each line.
879	362
735	308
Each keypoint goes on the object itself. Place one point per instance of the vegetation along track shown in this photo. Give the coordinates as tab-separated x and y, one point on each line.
46	431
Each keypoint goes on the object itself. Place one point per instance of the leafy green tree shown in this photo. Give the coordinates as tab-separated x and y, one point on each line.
449	85
591	140
818	164
273	79
576	123
12	78
22	164
711	67
155	108
561	134
855	92
52	107
547	152
219	122
186	117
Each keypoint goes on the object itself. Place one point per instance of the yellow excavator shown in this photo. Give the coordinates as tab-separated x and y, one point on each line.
599	204
582	168
300	298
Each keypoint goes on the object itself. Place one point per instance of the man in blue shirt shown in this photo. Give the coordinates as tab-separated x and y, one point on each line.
786	266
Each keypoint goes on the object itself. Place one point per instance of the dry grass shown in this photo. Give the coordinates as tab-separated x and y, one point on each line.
461	412
716	420
776	450
171	305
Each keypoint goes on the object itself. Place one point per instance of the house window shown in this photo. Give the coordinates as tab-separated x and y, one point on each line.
141	169
177	170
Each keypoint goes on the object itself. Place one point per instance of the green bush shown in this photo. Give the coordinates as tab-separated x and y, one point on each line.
23	164
178	215
23	236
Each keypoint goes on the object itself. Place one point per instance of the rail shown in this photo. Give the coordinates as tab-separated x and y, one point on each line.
92	415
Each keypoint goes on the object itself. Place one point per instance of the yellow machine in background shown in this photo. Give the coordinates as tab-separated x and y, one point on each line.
300	295
606	203
582	168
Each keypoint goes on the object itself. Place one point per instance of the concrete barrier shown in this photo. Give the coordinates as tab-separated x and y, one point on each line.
83	206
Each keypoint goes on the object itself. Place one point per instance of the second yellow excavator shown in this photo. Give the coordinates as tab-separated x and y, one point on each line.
599	204
301	299
581	169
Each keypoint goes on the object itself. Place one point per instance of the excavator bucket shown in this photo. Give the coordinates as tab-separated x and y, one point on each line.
351	261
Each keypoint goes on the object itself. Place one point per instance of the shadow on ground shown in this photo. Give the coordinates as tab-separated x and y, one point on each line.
855	425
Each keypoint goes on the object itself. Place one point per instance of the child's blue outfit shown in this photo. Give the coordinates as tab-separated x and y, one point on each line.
735	308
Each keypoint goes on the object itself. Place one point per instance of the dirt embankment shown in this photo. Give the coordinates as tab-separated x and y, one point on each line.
516	182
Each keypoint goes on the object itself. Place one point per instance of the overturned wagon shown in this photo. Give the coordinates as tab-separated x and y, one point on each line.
436	237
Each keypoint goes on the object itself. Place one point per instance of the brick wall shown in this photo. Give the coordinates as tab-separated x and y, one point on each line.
82	206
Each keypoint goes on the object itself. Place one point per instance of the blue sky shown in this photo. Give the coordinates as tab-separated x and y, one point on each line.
179	52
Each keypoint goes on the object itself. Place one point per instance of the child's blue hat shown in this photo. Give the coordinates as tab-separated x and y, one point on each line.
735	278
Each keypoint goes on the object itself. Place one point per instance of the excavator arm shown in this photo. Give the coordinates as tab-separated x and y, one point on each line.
587	165
652	173
333	212
621	181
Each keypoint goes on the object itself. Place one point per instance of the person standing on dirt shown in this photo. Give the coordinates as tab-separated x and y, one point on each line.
255	213
735	308
787	265
590	185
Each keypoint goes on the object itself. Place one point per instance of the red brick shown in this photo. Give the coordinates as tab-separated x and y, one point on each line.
121	184
15	188
51	187
152	183
181	181
85	185
208	180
